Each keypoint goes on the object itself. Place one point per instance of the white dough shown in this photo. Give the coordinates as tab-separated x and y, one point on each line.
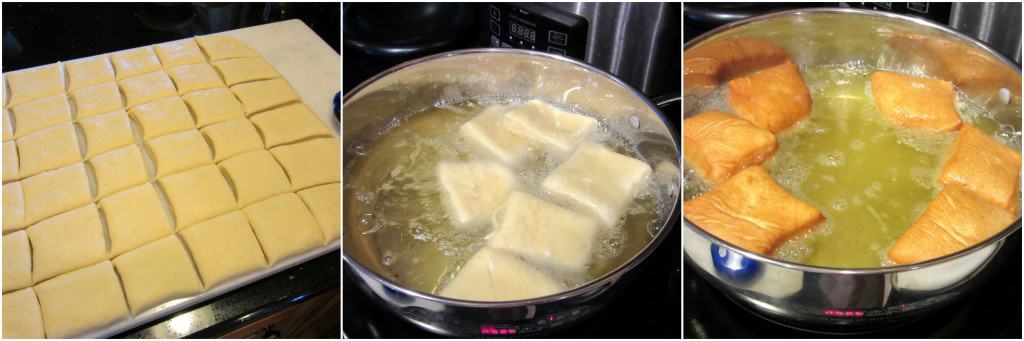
493	275
544	233
487	132
539	121
474	189
599	180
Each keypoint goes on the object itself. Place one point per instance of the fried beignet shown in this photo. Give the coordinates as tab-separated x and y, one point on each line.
773	98
984	166
915	102
718	144
711	64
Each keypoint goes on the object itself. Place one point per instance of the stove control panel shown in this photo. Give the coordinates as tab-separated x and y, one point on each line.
534	26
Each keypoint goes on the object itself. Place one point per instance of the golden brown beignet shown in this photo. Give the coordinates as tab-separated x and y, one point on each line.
718	144
773	98
982	165
711	64
915	102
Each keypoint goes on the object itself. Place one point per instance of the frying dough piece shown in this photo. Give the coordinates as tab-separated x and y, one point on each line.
244	70
474	190
213	105
97	99
544	123
8	128
156	273
118	169
197	194
188	78
55	191
751	211
310	163
984	166
179	52
262	95
179	151
284	226
544	233
256	176
711	64
599	180
14	207
915	102
22	318
289	124
134	62
38	82
774	98
66	242
40	114
10	161
224	247
106	132
955	220
224	47
17	261
162	117
89	71
233	137
134	217
325	204
718	144
487	131
493	275
48	149
81	300
146	88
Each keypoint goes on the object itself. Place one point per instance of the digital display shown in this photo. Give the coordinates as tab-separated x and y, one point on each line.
523	32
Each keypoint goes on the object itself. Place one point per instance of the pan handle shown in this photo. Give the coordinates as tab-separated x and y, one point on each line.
665	100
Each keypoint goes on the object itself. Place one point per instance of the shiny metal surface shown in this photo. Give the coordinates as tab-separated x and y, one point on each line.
851	300
995	23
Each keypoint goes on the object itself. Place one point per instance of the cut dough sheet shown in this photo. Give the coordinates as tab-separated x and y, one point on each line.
179	52
473	190
106	132
915	102
487	131
599	180
774	98
984	166
146	88
135	217
223	248
55	191
230	138
310	163
284	226
47	149
544	233
10	161
178	152
538	121
7	126
192	77
66	242
156	273
29	84
492	275
162	117
213	106
325	203
752	211
197	194
134	62
118	169
243	70
87	72
22	318
97	99
40	114
955	220
718	144
17	261
709	65
289	124
225	47
14	207
256	176
259	96
81	301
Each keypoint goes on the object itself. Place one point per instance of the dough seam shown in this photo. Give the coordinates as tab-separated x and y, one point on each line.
192	260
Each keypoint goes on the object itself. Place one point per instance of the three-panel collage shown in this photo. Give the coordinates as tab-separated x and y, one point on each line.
552	170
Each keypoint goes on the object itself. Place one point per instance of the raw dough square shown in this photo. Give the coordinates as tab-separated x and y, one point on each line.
179	52
8	128
213	106
134	62
284	226
289	124
598	180
262	95
40	114
244	70
22	318
66	242
55	191
10	161
97	99
38	82
310	163
17	261
232	137
81	300
325	203
224	247
134	217
915	102
487	132
146	88
256	176
493	275
188	78
88	71
984	166
47	149
14	207
718	144
162	117
106	132
118	169
544	123
544	233
156	273
197	194
774	98
179	151
473	190
223	47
